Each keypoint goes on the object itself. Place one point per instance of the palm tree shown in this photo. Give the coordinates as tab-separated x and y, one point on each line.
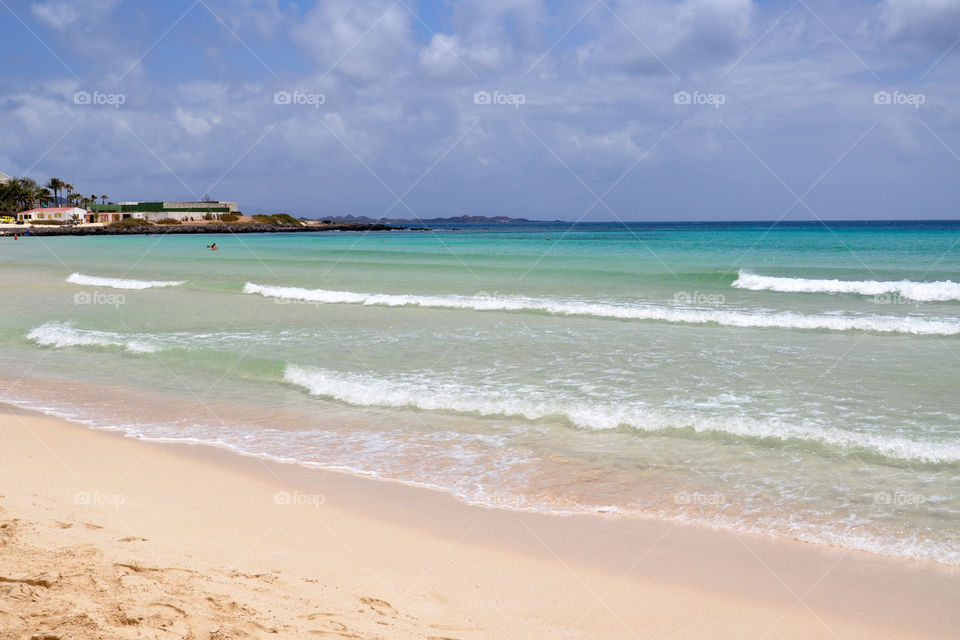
69	189
103	199
42	195
21	192
56	185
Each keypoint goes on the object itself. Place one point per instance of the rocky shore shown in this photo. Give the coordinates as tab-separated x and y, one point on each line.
228	228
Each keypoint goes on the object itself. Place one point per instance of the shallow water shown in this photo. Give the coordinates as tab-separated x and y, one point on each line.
797	381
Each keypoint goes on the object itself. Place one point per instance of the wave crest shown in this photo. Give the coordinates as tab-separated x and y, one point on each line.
120	283
939	291
56	334
427	394
730	318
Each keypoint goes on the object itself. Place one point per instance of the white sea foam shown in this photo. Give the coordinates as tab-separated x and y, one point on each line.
495	486
918	291
56	334
120	283
421	392
731	318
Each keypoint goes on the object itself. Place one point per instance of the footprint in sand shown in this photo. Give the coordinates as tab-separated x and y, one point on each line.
382	607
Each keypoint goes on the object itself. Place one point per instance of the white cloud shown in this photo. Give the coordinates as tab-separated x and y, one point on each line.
58	15
933	23
61	14
652	36
196	125
363	42
449	56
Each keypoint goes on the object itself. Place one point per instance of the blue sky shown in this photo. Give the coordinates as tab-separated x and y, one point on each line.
598	110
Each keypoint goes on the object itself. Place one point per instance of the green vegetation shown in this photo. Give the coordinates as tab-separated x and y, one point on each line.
22	193
229	217
56	186
165	221
278	220
128	223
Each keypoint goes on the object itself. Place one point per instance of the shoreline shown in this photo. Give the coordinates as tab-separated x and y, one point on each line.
612	514
721	582
177	229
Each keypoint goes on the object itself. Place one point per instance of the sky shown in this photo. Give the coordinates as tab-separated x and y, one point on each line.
582	110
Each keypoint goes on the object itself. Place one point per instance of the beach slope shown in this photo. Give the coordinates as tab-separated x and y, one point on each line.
107	537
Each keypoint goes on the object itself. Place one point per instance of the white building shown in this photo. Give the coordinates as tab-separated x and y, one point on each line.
177	210
60	214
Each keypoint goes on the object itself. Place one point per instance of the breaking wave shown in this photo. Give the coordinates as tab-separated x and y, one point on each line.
730	318
918	291
427	394
120	283
56	334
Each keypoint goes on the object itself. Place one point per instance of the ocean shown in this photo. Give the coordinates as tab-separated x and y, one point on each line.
797	380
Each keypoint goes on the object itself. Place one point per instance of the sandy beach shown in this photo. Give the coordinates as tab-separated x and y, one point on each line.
103	536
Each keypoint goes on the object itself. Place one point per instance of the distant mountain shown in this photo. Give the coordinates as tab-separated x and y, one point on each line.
450	220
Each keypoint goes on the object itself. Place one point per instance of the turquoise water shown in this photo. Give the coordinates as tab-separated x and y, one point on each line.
799	381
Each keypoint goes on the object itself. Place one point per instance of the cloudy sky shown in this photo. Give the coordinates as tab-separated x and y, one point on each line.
587	109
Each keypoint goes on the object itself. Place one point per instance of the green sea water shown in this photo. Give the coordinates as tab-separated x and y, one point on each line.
793	380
